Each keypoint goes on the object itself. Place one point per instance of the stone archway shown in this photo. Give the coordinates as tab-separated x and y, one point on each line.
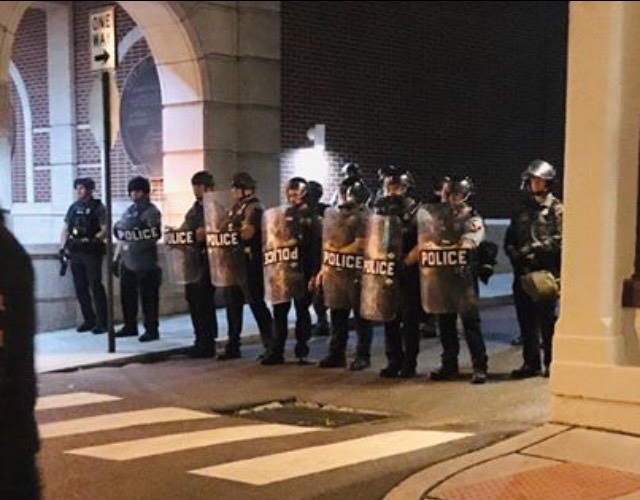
175	49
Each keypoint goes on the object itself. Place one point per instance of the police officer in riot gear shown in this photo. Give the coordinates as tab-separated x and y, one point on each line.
200	293
533	242
138	231
321	328
457	195
402	337
307	231
246	217
82	240
19	442
350	171
352	205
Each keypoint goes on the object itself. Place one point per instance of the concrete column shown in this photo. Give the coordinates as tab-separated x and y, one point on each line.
595	377
62	120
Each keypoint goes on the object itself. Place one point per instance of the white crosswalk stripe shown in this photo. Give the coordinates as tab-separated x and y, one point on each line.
119	420
72	399
139	448
288	465
258	471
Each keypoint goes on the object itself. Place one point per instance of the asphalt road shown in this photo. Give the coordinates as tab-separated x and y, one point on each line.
167	430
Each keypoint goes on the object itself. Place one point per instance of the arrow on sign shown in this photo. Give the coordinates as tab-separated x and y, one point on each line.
103	58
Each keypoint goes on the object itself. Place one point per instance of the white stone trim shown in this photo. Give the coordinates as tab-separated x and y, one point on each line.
27	119
41	130
128	41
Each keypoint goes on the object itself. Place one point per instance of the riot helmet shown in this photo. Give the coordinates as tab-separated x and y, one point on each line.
461	190
538	169
297	190
396	180
353	192
441	188
350	169
315	191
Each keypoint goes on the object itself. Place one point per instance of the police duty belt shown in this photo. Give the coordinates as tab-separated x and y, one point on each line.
138	234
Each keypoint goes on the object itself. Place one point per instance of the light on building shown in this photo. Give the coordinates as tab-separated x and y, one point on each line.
316	135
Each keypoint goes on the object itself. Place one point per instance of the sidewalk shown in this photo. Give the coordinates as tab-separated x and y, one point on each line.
68	349
552	462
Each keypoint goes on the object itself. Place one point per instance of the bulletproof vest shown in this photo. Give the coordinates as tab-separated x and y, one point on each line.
238	214
195	217
83	221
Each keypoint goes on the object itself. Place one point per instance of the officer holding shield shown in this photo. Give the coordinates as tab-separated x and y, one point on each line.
199	291
246	218
402	337
138	231
467	232
291	250
341	275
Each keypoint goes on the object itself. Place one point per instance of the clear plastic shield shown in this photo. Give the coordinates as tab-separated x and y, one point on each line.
183	256
283	274
343	238
446	262
380	286
224	245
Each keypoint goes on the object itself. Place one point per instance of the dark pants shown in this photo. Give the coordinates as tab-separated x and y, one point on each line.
202	308
519	304
145	284
402	335
472	335
340	334
303	327
19	478
235	307
87	275
538	321
319	308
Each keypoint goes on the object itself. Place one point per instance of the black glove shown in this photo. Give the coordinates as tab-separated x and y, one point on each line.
484	273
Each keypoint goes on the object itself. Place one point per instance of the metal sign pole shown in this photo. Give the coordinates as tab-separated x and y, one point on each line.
106	165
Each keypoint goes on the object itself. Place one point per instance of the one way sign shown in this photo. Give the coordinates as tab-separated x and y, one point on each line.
102	37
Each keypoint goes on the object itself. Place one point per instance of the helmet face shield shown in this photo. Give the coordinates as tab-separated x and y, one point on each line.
297	190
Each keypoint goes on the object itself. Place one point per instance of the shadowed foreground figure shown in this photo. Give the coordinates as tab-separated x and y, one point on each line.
19	441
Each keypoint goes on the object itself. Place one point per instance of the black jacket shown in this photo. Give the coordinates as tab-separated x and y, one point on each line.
18	431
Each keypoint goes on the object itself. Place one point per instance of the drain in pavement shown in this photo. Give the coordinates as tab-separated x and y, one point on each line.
292	411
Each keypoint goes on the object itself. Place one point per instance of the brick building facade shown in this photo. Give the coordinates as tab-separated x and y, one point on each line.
471	88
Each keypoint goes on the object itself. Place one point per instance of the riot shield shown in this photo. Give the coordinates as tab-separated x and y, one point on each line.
283	274
183	257
380	286
343	236
224	245
446	267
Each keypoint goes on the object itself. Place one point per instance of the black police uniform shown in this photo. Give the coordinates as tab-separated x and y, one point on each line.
249	211
322	327
340	336
201	294
447	324
83	220
19	442
402	337
139	230
526	255
309	244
